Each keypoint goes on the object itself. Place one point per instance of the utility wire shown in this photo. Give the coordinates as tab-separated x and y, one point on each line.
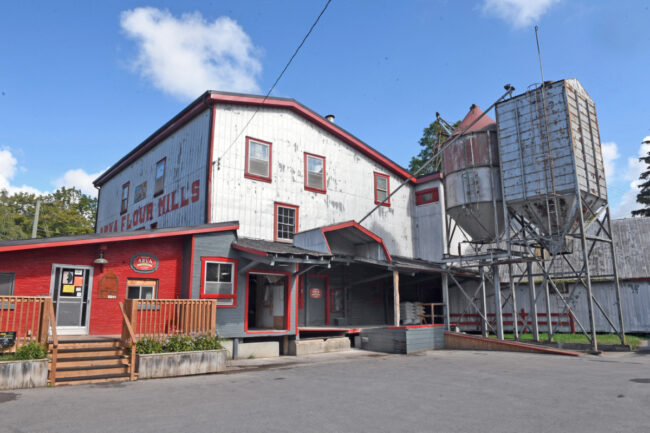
275	83
509	90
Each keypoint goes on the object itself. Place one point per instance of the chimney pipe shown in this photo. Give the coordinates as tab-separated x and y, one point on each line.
330	118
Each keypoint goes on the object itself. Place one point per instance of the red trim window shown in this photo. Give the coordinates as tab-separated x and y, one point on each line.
258	159
426	196
337	301
315	173
219	280
286	222
159	184
125	198
382	188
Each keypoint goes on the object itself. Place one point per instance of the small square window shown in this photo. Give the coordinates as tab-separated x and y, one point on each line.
315	173
286	221
125	197
382	189
426	196
141	289
159	184
219	280
258	159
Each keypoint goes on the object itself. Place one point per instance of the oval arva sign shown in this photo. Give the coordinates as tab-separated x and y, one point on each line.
144	263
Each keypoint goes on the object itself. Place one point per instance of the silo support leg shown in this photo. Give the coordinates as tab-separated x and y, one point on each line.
533	301
497	300
484	305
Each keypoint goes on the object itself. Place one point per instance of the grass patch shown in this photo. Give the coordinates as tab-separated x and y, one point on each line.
632	340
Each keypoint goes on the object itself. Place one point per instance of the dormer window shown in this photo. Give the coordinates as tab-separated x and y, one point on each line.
258	159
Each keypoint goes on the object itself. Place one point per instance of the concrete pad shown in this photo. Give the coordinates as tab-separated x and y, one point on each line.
261	349
318	345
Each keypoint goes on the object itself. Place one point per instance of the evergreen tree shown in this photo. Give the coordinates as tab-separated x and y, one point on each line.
643	196
432	138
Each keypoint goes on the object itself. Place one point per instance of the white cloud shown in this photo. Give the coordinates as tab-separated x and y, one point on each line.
635	167
8	167
610	154
186	56
79	179
72	178
519	13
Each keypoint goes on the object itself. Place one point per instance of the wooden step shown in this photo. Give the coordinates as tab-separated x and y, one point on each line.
88	344
86	352
85	371
91	361
101	378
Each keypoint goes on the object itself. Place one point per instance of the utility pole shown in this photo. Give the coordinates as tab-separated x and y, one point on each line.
35	225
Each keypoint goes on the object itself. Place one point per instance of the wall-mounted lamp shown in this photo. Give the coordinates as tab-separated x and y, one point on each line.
101	260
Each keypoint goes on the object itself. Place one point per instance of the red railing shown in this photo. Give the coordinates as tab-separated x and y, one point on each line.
32	319
523	321
159	318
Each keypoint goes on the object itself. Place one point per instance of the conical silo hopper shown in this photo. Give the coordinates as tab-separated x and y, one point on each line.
471	177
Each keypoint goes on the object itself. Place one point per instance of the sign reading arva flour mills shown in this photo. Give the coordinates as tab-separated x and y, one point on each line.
144	263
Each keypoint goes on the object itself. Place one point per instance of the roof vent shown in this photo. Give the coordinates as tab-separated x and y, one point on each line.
330	118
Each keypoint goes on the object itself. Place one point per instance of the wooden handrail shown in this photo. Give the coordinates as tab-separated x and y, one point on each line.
132	339
55	340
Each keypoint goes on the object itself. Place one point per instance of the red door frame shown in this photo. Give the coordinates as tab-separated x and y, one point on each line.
287	299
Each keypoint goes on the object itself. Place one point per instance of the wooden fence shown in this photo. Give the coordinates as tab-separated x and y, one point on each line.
30	317
159	318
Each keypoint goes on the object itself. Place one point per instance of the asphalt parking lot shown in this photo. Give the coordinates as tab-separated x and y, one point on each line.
437	391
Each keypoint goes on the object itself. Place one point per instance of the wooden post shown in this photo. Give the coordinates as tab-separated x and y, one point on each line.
132	314
44	322
396	313
213	318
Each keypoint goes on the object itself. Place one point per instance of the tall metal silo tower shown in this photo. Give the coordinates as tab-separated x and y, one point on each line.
554	209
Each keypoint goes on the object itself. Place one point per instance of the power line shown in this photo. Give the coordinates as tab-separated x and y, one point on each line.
275	83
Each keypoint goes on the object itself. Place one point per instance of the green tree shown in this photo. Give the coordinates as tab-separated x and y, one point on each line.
643	197
66	211
433	136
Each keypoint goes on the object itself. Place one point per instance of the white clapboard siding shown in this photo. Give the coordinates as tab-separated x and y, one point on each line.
349	179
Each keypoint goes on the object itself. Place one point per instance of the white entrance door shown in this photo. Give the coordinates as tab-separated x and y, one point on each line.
70	289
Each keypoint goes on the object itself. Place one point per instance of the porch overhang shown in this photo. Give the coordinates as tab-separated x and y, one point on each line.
348	239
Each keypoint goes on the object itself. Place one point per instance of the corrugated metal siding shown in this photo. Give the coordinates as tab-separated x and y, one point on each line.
186	151
632	246
635	299
572	130
429	229
350	180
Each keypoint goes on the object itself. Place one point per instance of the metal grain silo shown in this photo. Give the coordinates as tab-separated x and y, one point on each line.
471	176
551	160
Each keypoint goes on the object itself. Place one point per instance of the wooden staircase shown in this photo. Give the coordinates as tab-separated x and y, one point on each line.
92	360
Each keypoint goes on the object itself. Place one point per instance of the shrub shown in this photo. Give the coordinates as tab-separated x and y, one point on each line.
207	342
32	350
148	345
177	343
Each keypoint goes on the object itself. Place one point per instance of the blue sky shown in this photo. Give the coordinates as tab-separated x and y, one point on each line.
82	83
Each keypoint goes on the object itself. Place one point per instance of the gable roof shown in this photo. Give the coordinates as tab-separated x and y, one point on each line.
211	98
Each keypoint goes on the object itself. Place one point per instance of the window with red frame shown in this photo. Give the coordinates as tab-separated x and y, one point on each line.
382	188
258	159
219	280
125	197
315	173
286	221
426	196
